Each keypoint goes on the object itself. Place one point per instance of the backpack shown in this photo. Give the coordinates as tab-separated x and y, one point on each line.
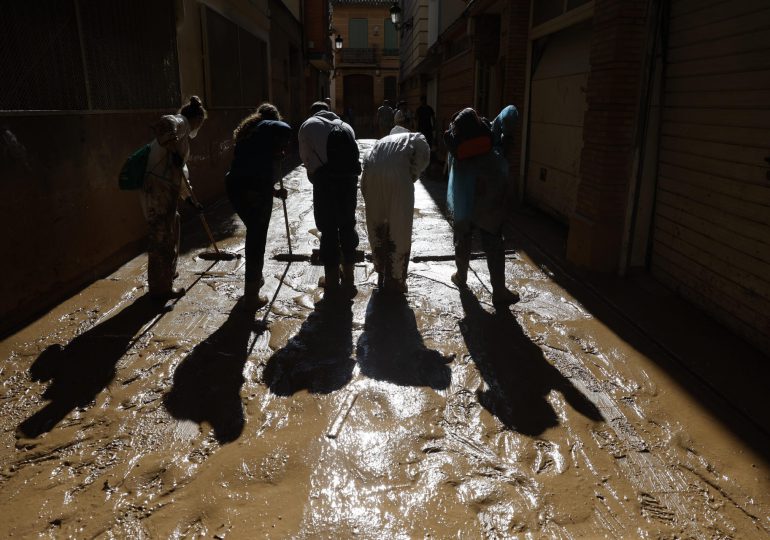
341	152
132	174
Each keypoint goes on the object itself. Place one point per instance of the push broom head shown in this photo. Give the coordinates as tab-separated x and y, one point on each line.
218	256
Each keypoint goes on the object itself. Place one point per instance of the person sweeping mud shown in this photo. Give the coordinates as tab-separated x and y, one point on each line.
166	181
478	182
387	183
261	141
327	147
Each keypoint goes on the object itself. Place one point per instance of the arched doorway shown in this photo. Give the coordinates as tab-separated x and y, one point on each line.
359	104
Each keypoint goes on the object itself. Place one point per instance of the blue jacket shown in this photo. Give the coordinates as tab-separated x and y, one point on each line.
478	186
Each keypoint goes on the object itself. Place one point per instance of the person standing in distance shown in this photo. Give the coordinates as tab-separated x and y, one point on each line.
165	182
261	141
385	118
328	149
425	120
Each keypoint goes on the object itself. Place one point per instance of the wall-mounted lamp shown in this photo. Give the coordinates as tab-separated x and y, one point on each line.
396	18
377	71
338	42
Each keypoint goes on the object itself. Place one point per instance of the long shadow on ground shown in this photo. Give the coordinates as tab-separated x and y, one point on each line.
319	358
518	375
86	365
391	347
207	383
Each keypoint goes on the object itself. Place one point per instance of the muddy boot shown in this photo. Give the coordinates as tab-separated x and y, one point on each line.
251	297
348	280
501	295
460	278
331	278
396	286
172	293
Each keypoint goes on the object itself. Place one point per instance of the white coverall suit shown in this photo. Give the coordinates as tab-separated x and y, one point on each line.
387	184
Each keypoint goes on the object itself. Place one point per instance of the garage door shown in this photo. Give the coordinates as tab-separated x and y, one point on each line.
558	105
711	237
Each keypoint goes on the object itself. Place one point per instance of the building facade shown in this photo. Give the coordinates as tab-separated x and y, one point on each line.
320	60
642	129
366	65
85	80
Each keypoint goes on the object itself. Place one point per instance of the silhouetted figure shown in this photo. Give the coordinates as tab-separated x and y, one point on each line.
385	118
319	358
86	365
329	151
391	347
207	383
261	143
518	375
165	182
387	183
426	120
477	192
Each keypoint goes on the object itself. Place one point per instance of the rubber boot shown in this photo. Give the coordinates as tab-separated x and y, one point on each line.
501	295
348	280
252	298
331	278
172	293
460	278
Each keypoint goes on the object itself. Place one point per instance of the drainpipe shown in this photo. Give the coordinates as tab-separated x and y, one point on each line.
658	14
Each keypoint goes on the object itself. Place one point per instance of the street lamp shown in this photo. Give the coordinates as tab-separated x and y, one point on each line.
396	17
395	14
338	42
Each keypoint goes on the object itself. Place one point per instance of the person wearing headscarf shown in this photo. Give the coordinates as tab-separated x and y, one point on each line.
165	182
387	184
478	185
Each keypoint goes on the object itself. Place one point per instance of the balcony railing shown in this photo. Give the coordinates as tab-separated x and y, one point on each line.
357	56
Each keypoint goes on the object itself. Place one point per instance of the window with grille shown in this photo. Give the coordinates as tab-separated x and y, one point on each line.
130	53
88	54
237	64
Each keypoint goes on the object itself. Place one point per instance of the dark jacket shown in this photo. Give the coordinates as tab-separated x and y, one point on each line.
257	155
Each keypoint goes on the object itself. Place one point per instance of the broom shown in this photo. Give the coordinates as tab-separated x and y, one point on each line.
315	257
217	254
290	256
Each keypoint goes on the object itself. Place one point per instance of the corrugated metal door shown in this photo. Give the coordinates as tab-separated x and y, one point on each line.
711	236
558	105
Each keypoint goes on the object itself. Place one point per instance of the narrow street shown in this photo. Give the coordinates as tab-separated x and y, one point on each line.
433	416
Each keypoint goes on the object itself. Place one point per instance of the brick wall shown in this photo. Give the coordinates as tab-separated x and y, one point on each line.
596	229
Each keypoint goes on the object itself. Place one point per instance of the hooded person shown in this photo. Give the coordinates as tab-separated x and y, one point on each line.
387	184
165	182
335	192
261	142
477	190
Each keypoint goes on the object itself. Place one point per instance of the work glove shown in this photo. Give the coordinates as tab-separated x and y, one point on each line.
280	193
195	204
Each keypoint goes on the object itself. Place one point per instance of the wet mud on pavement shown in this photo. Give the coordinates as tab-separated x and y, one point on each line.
429	416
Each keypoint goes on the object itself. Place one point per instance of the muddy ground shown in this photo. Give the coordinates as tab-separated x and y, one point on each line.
430	416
